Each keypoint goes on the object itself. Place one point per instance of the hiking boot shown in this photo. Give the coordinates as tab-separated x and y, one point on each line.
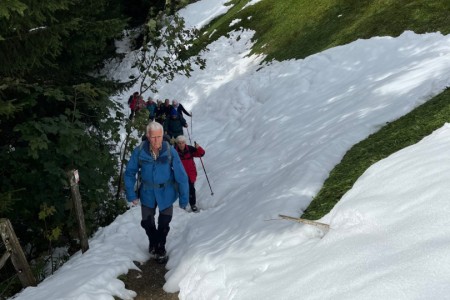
152	251
162	257
194	208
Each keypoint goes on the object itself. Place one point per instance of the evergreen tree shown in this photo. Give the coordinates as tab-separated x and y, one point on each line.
54	115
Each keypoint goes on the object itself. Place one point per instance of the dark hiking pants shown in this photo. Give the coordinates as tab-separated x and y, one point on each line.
192	197
157	236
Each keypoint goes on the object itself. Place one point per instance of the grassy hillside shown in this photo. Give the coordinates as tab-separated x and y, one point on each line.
393	137
287	29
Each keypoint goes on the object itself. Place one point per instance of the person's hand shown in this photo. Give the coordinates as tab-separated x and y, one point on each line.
185	125
135	202
196	145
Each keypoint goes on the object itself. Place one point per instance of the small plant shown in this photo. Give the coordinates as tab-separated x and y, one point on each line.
50	234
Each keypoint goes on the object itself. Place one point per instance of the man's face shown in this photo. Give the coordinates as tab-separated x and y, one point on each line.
155	138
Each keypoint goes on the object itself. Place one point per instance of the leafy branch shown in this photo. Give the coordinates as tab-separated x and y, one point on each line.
164	52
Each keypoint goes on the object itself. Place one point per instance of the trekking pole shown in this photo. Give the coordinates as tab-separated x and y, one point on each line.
212	193
204	170
190	141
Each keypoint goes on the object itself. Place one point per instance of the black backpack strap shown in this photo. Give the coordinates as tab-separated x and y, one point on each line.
169	153
139	179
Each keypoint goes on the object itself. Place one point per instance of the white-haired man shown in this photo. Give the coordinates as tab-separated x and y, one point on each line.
163	181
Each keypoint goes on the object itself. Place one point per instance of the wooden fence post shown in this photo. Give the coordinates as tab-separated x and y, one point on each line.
76	198
14	250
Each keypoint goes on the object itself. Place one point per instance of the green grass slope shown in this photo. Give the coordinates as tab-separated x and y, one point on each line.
295	29
287	29
393	137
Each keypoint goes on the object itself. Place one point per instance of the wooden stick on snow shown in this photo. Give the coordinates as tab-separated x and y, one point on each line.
309	222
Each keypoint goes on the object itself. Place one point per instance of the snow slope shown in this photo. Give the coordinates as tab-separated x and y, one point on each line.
272	133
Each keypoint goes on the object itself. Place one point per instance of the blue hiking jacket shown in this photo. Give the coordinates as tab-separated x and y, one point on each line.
161	183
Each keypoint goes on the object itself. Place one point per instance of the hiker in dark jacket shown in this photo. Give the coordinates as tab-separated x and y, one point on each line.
160	170
187	154
159	112
173	126
167	108
180	109
162	111
151	107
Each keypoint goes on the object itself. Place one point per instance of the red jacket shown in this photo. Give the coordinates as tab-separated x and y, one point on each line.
187	158
137	103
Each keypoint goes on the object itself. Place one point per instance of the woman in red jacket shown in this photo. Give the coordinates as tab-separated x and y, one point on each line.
187	154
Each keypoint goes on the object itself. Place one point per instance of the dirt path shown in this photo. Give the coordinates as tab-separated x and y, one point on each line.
148	283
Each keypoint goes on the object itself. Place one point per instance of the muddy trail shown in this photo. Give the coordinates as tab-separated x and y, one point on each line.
148	283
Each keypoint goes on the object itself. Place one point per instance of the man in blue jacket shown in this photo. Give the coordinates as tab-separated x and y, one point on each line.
163	180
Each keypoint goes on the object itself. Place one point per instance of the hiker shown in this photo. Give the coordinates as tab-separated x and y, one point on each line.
187	154
167	108
159	112
135	94
151	107
173	126
163	181
136	104
132	103
180	109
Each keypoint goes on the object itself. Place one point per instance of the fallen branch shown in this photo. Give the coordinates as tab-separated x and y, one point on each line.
309	222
